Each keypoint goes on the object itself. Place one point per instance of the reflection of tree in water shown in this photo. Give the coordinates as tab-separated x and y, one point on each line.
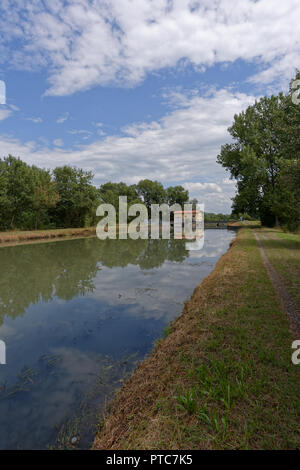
159	251
33	273
147	254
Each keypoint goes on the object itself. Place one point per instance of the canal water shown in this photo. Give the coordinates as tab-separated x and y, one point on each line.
77	317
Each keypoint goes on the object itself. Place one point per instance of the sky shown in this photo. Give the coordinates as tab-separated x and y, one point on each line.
134	89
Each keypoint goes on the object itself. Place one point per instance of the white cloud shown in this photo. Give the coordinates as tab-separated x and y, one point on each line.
98	124
198	187
78	131
181	147
2	92
36	120
62	118
14	107
58	142
216	197
83	43
228	181
4	113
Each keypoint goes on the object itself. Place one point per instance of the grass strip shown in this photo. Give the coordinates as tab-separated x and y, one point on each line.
222	378
17	236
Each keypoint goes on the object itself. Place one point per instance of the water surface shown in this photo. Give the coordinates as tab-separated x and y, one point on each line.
77	316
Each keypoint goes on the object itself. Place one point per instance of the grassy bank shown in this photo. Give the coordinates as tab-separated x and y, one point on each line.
283	250
8	238
245	224
223	376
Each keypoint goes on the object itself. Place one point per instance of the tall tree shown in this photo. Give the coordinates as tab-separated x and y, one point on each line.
26	195
287	201
259	151
19	189
177	195
78	198
151	192
110	193
45	197
4	198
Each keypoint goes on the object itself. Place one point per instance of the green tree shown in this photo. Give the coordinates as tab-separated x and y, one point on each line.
177	195
110	193
151	192
17	192
4	198
287	202
45	197
26	195
78	198
265	138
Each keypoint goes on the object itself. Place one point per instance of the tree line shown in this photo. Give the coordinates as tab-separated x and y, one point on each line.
264	158
32	198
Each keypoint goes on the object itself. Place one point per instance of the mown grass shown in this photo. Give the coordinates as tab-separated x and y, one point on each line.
283	250
222	378
245	224
18	236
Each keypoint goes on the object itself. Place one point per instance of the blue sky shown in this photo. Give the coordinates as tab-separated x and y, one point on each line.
135	89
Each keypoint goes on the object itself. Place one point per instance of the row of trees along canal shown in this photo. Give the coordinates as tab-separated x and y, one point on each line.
263	158
35	198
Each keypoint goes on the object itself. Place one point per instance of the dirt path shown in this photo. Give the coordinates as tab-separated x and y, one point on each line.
288	303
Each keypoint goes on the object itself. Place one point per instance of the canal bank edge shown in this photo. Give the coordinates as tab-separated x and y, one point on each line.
32	236
223	376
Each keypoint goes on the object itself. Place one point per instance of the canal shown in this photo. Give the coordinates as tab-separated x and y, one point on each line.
77	317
